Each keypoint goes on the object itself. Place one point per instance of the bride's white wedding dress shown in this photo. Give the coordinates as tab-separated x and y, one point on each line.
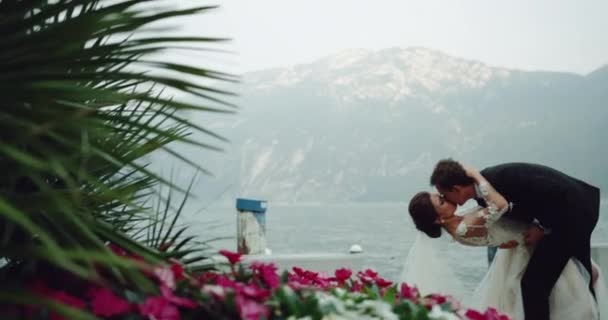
500	288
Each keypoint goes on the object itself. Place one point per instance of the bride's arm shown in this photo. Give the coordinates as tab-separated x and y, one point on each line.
497	204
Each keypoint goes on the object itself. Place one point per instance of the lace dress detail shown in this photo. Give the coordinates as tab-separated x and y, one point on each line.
483	226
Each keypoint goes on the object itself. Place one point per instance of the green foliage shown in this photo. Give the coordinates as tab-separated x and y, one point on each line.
84	103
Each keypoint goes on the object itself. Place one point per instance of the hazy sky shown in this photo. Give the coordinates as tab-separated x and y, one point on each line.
559	35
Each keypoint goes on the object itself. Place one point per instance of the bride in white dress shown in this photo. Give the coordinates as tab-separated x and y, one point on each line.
500	288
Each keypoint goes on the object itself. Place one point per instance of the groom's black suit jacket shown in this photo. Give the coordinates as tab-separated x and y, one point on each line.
568	206
555	199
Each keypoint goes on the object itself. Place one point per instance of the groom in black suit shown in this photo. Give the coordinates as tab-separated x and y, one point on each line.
566	206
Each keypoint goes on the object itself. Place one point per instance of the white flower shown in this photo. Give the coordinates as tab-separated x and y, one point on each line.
329	302
340	292
334	316
336	309
377	309
165	275
213	289
438	314
303	318
349	302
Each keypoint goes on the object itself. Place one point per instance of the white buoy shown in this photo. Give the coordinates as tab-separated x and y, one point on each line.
355	248
267	251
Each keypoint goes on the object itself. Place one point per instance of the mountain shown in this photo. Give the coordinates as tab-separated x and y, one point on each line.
370	125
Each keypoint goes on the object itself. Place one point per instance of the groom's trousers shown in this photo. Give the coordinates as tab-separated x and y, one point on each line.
547	262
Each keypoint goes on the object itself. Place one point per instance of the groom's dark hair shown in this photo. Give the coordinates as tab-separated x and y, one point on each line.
449	173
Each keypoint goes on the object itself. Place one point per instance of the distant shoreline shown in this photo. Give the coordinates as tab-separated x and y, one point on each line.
603	202
323	204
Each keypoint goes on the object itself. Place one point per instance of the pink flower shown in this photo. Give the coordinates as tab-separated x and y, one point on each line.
225	282
159	308
300	279
254	292
267	272
182	302
474	315
356	287
342	275
297	283
433	299
305	278
305	273
66	299
104	303
232	257
178	271
368	276
323	283
207	277
409	293
439	299
382	283
117	250
251	310
490	314
370	273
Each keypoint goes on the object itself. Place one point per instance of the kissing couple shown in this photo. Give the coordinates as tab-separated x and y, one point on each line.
541	218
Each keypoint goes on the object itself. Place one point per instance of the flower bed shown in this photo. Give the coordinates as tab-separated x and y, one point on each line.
258	292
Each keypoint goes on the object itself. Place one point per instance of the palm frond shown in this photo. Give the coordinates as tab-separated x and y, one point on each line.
79	118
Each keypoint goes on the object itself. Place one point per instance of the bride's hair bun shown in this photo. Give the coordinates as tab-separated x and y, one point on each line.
423	213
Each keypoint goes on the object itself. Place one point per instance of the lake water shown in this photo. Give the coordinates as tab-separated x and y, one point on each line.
385	232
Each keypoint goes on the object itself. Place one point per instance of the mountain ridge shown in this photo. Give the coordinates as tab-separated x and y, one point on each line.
369	126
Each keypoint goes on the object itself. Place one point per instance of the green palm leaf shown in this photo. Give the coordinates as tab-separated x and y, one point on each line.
79	118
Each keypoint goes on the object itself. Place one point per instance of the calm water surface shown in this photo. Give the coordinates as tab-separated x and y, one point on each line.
384	231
